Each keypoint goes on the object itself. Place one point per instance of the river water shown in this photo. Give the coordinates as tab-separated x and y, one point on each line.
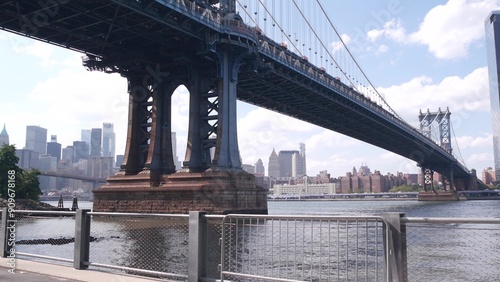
409	207
448	252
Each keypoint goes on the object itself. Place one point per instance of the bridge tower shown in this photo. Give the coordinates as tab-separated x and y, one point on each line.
443	120
147	180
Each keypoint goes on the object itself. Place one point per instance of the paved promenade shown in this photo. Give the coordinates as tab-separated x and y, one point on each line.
31	271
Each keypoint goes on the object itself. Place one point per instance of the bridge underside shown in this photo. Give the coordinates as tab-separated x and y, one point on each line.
159	45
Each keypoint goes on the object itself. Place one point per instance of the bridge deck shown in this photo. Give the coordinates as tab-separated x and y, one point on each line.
126	35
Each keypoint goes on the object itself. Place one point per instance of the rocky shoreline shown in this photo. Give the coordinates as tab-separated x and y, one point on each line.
26	204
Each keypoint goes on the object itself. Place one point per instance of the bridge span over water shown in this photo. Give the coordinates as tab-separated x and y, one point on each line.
209	48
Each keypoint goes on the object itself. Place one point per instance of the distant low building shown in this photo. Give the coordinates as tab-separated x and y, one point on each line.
305	189
374	182
488	175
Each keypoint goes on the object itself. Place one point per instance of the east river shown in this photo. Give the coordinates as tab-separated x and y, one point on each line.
445	252
409	208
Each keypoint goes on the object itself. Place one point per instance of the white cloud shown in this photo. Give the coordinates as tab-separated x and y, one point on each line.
465	142
449	30
391	29
38	49
261	130
382	49
462	95
72	101
337	45
480	158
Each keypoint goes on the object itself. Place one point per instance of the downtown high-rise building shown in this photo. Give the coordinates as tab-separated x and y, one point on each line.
259	167
492	27
108	140
81	151
85	135
96	142
273	167
36	139
4	136
54	148
286	162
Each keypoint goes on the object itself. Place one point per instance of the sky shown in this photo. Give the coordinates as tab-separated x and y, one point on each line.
418	54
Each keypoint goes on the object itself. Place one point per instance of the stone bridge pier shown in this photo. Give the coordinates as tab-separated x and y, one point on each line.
450	185
211	178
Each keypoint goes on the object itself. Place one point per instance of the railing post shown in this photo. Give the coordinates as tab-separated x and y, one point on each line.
197	246
82	239
4	235
395	256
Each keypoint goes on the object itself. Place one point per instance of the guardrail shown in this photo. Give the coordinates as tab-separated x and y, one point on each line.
200	247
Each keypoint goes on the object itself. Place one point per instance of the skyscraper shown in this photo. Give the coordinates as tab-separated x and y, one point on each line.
286	163
67	154
80	150
54	148
108	140
177	163
273	167
259	168
492	27
96	142
4	136
85	135
36	139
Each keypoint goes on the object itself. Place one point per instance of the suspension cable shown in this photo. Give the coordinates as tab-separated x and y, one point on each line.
456	143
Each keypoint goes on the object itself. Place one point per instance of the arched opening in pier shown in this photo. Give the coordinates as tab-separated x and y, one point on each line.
180	124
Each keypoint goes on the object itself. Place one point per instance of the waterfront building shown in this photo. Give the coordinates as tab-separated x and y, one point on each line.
492	27
27	158
273	167
373	182
81	150
488	175
96	142
108	140
54	148
259	168
4	136
305	189
36	139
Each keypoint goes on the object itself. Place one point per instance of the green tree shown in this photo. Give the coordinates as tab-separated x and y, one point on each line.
25	184
406	188
8	169
30	185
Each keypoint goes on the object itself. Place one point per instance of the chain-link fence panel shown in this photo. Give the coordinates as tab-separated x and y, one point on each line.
303	248
157	243
43	234
441	251
213	248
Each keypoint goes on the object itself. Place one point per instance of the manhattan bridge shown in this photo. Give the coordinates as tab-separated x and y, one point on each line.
285	56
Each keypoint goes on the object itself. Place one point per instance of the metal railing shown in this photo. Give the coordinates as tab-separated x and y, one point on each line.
200	247
452	249
304	248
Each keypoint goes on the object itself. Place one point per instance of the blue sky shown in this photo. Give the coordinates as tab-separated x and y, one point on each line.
418	54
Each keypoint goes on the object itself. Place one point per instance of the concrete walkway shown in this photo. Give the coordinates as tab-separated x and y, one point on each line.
33	271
